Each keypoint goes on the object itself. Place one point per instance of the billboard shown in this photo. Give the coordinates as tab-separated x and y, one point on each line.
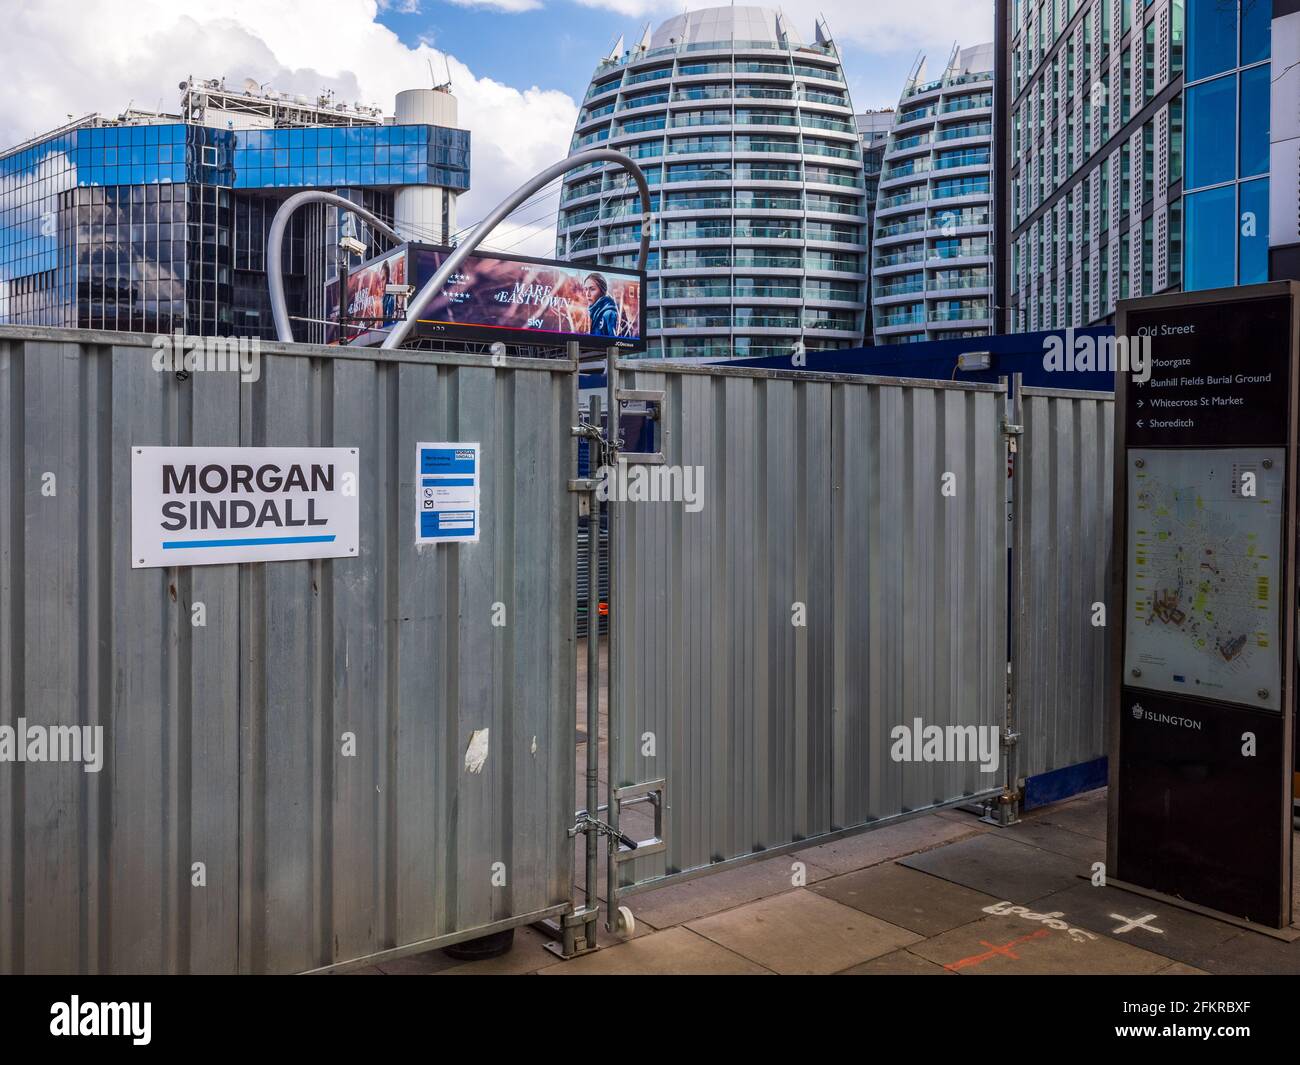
493	297
370	304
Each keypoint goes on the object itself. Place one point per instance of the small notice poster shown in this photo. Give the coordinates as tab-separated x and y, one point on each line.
447	493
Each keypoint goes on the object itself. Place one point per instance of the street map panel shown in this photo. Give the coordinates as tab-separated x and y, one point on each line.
1204	557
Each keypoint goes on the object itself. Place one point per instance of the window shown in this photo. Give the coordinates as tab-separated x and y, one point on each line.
1175	244
1209	240
1255	97
1256	30
1149	61
1211	123
1211	37
1175	140
1176	33
1148	161
1253	232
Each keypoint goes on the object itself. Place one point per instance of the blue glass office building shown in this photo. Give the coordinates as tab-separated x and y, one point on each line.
1135	148
151	224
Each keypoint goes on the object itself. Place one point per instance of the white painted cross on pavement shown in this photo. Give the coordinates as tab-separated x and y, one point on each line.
1131	923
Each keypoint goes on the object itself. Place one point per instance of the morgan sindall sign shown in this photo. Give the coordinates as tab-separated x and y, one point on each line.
201	506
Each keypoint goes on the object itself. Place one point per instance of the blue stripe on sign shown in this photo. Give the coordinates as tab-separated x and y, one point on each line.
444	460
170	545
448	482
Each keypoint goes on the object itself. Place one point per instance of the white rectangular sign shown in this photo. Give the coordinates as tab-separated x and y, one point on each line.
447	493
202	506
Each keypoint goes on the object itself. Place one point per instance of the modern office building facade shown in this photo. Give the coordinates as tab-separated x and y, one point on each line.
873	130
154	222
747	137
931	262
1137	152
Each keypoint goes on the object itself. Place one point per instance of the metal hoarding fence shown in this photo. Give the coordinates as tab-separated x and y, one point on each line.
229	829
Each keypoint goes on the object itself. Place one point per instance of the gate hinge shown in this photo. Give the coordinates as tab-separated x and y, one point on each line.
1009	738
1011	429
582	484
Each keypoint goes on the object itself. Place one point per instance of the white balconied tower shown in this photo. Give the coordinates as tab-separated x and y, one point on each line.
747	137
932	255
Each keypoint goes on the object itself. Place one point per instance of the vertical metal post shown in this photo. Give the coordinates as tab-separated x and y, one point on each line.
1008	811
343	296
614	436
593	674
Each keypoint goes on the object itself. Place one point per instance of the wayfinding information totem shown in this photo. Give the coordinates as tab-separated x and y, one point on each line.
1202	696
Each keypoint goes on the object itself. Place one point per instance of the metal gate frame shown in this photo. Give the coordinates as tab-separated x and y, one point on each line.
839	400
1063	475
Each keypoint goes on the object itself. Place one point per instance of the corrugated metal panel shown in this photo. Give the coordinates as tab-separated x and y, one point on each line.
582	576
1064	482
224	741
824	492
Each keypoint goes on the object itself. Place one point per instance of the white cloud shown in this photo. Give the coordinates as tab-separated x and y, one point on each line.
299	46
511	7
873	25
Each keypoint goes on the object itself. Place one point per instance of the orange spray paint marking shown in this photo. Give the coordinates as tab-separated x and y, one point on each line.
1004	951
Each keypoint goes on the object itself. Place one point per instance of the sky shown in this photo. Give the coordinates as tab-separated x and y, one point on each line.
518	67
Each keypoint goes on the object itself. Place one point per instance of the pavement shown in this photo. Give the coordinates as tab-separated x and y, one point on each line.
940	894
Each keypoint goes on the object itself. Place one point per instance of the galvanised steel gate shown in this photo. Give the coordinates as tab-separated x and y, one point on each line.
1062	554
828	590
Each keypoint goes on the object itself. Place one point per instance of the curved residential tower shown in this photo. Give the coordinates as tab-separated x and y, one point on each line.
747	137
932	260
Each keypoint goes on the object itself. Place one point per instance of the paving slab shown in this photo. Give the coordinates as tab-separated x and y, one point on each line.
907	898
1085	815
1001	867
1169	930
674	952
1049	837
884	844
899	963
1249	953
679	903
801	932
1179	969
964	817
1012	945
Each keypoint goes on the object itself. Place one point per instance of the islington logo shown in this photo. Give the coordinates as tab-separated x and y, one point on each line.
1141	714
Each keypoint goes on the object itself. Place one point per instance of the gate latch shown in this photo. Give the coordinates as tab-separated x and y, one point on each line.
587	823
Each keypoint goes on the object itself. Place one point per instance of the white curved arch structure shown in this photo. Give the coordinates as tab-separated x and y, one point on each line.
275	241
434	285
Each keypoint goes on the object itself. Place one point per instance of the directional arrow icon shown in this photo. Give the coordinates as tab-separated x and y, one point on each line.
1141	423
1139	403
